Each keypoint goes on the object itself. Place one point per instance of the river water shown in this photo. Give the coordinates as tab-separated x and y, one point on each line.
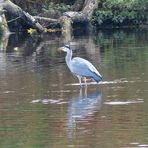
42	105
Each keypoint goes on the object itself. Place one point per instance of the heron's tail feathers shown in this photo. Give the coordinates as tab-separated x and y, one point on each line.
97	78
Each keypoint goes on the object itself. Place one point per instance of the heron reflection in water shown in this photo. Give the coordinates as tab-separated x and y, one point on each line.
80	67
82	108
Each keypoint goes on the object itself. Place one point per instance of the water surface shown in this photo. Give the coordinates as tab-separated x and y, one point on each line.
42	105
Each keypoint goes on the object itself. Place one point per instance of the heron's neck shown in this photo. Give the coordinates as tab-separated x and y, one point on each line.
68	57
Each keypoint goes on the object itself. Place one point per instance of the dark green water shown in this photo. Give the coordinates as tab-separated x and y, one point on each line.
42	106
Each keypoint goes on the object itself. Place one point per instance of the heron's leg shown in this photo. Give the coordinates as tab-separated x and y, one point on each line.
80	80
80	93
85	80
86	92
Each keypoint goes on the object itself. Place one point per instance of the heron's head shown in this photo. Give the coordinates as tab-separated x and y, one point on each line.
65	48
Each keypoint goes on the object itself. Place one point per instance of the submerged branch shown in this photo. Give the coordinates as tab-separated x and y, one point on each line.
13	19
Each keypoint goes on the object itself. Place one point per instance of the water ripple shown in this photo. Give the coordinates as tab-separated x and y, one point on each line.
49	101
102	82
143	145
124	102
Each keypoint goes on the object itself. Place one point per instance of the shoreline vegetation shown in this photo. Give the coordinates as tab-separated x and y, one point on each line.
49	15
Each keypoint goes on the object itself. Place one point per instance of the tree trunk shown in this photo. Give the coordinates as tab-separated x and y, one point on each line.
78	5
83	16
3	23
89	7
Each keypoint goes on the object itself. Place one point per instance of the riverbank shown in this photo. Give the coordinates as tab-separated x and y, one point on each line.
108	14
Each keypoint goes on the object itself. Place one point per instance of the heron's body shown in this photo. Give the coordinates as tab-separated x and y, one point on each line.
80	67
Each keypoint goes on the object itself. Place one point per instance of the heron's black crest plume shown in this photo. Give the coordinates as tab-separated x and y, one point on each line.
67	46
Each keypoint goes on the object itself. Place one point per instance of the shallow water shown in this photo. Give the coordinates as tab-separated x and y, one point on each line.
42	105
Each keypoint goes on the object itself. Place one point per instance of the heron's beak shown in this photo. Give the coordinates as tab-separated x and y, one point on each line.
60	49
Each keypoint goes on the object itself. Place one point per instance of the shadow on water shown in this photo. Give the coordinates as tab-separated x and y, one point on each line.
81	109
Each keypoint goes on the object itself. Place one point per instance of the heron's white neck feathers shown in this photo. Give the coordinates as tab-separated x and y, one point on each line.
68	57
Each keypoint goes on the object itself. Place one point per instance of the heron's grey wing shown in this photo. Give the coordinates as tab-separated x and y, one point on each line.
92	68
82	67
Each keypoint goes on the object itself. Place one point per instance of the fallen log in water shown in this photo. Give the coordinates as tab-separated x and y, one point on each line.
81	14
14	12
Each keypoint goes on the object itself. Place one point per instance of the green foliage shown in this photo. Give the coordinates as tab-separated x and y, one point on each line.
53	8
121	12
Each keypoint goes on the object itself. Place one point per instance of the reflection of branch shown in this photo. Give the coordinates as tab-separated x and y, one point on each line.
38	49
3	42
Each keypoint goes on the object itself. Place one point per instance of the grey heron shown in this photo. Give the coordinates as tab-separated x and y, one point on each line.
80	67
